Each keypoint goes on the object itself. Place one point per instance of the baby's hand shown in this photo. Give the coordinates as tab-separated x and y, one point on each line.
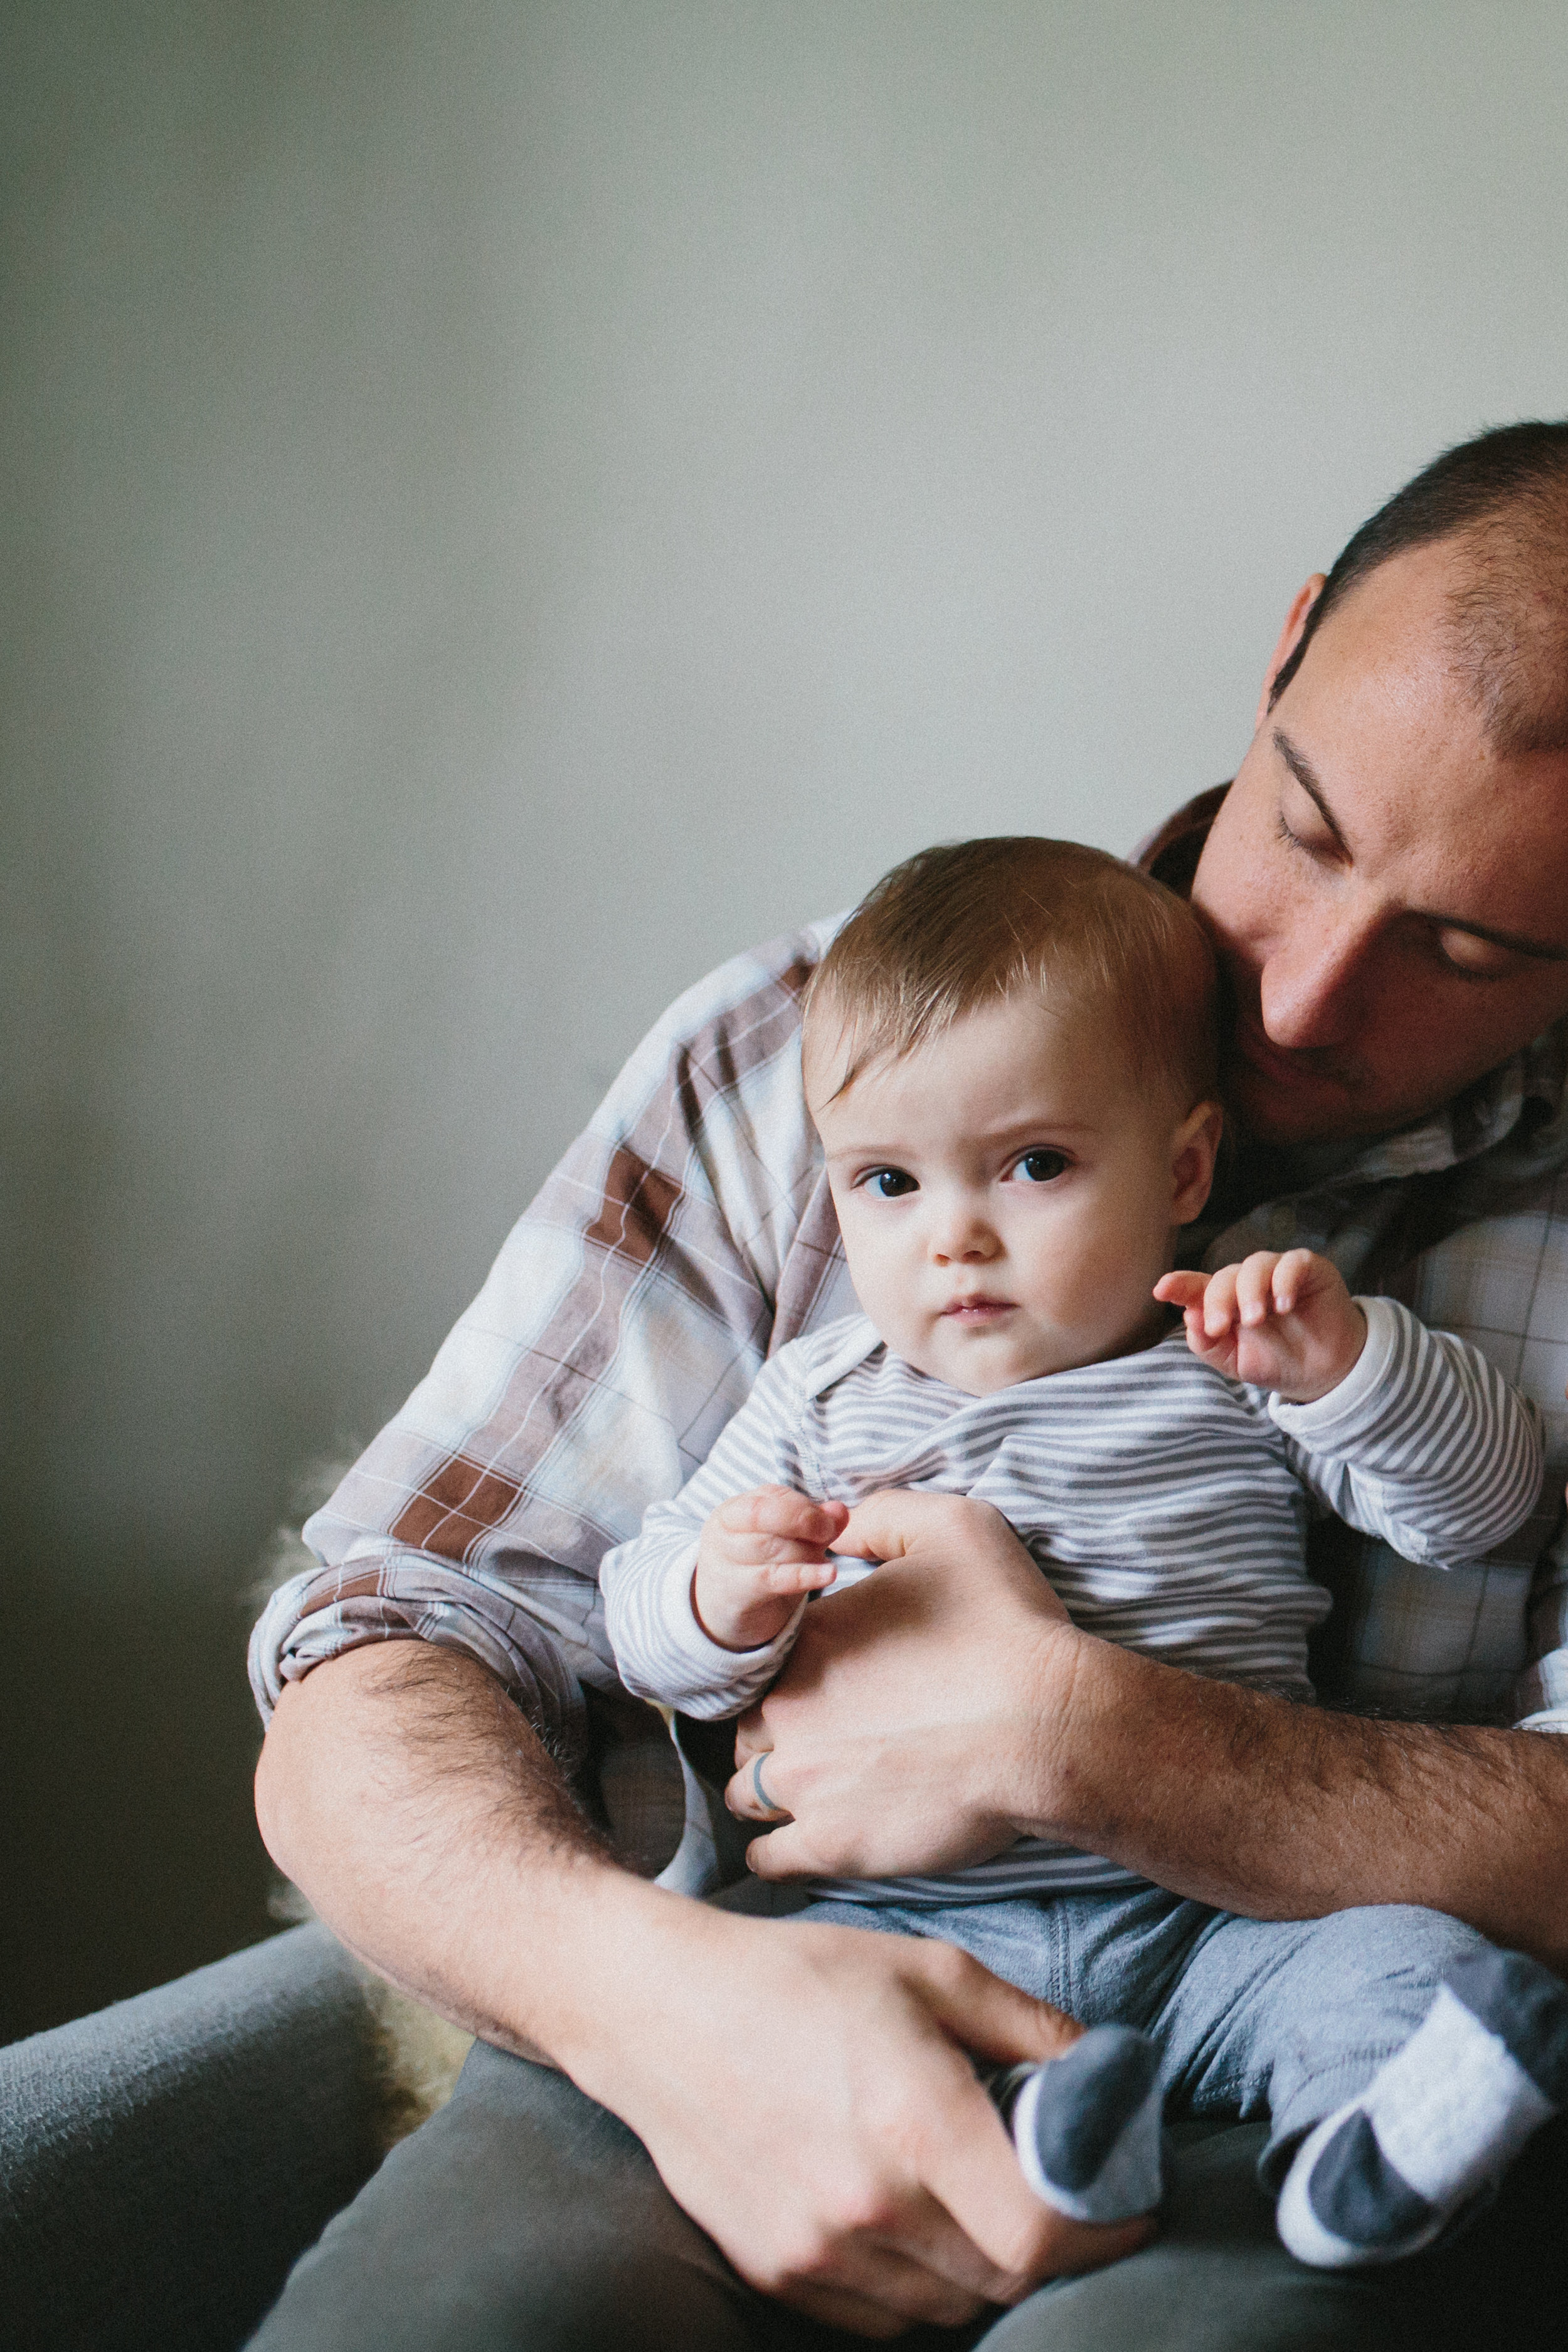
759	1553
1283	1323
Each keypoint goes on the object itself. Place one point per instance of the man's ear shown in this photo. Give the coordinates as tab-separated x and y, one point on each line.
1194	1149
1289	638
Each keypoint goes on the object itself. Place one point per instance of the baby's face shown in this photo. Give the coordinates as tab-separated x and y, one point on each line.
1007	1194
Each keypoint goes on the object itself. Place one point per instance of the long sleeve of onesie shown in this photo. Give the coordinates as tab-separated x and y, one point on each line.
1423	1443
661	1648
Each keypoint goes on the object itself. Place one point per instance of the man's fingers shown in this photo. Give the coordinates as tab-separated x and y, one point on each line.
986	2015
933	2269
878	1529
750	1794
856	2314
750	1802
972	2169
927	2272
775	1856
969	2163
892	1522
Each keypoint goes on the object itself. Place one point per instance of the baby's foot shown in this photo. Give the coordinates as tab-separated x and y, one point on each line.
1439	2123
1086	2124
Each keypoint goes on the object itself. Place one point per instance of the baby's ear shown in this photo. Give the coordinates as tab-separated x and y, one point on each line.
1195	1147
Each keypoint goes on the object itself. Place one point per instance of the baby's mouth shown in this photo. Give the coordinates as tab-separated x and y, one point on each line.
978	1310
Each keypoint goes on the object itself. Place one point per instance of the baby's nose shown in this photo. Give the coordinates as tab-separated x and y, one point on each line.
964	1240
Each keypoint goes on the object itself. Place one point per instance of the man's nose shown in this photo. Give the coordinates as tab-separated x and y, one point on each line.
1311	987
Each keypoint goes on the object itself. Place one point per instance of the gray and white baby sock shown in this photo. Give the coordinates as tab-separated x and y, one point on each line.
1439	2123
1086	2124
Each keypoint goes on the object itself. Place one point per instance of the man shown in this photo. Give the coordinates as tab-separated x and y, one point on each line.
1388	881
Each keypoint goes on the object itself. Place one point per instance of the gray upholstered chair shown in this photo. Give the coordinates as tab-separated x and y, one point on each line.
162	2163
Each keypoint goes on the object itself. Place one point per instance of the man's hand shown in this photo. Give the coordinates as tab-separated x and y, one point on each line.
915	1704
758	1555
802	2090
826	2129
1286	1323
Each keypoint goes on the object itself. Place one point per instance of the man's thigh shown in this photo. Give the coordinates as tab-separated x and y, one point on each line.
1218	2280
524	2214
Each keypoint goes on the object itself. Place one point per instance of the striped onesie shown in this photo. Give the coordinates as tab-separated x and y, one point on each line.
1167	1504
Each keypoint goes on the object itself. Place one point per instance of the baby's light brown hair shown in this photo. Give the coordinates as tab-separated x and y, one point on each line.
973	923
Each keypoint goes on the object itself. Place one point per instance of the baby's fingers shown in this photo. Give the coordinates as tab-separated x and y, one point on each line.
1182	1291
1296	1276
1255	1296
1219	1308
779	1511
755	1552
782	1577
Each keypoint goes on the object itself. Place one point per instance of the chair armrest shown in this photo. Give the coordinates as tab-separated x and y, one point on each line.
164	2162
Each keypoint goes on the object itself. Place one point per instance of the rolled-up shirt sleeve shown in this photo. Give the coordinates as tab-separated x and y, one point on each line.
1541	1696
620	1327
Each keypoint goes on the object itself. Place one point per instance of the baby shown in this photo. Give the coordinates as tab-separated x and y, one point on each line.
1009	1055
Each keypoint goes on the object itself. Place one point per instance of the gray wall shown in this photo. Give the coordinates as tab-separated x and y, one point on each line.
505	504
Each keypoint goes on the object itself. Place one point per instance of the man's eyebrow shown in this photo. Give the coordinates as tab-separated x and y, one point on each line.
1302	768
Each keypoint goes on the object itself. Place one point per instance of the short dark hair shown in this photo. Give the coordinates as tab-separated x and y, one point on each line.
1506	493
973	923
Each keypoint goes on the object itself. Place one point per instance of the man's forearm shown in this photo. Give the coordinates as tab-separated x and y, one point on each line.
423	1819
803	2091
1281	1811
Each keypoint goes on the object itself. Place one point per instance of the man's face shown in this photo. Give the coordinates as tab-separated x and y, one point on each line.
1008	1192
1388	895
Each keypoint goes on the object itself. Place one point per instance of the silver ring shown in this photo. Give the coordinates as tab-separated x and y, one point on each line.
763	1799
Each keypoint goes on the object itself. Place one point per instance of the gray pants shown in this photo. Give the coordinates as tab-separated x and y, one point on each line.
524	2215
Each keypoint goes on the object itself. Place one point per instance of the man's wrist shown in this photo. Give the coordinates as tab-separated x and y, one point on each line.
1050	1784
630	1947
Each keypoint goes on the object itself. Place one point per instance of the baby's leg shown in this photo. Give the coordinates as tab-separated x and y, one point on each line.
1441	2122
1403	2061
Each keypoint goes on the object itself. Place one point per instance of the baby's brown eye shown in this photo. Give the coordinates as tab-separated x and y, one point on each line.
1041	1166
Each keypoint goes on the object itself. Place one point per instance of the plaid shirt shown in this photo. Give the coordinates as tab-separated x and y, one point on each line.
689	1232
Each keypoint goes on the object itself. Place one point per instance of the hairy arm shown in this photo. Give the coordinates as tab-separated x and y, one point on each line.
1279	1810
822	2122
953	1684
